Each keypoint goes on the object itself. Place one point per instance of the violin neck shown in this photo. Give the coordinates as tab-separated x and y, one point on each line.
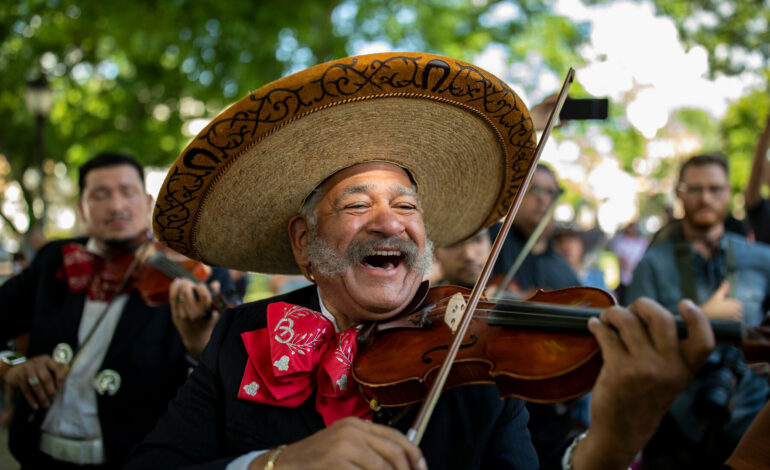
174	270
575	319
171	269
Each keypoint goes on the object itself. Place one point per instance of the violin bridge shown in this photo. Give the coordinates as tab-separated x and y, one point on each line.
454	311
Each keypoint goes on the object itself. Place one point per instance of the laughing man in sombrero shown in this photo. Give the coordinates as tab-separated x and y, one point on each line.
350	172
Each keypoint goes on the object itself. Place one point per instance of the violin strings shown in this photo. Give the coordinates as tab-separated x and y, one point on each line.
170	268
496	313
567	317
539	308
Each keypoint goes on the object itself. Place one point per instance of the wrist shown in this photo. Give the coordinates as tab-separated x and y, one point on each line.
9	359
272	457
591	452
566	460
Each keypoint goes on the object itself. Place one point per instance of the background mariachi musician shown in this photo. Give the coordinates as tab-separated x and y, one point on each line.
102	360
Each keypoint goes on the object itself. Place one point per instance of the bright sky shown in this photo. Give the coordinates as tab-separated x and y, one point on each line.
633	57
633	52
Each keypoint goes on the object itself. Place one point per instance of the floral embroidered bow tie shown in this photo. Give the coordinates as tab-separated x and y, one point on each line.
80	269
298	352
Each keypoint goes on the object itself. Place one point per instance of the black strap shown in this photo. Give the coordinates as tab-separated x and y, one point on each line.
684	262
731	267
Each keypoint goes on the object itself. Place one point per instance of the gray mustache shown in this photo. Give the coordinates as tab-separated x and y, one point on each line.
360	249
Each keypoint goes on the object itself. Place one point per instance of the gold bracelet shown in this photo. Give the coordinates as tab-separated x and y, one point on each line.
270	465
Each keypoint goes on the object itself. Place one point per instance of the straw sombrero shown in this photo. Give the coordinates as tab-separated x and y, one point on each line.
464	136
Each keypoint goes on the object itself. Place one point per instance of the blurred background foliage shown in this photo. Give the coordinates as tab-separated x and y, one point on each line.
142	77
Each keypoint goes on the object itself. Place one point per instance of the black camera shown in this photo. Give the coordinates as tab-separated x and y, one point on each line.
584	108
713	400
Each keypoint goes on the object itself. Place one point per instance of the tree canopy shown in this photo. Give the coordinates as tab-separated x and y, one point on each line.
134	77
142	77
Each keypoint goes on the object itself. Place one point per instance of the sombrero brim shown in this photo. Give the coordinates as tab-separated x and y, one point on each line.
463	135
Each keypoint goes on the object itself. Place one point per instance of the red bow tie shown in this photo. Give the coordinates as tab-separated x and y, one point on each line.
86	271
81	268
297	353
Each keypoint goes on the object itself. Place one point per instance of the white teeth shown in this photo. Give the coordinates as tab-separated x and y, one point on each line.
386	253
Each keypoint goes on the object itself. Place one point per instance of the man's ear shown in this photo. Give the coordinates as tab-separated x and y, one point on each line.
299	235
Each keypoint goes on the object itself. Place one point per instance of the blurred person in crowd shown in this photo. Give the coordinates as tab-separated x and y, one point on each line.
629	246
757	207
573	244
730	278
101	364
543	267
738	227
240	282
282	283
462	262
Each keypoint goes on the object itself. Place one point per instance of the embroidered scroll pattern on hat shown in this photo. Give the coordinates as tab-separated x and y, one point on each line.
400	75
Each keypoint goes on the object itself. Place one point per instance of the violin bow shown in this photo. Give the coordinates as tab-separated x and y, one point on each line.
533	238
415	433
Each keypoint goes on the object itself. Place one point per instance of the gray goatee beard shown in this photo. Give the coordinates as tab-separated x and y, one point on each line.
327	261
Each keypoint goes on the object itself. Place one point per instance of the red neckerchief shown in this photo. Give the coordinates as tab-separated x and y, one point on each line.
80	269
297	353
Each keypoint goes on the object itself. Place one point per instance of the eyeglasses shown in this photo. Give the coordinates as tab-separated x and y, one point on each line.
714	191
538	191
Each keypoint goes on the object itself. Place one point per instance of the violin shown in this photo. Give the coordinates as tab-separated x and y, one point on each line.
539	350
149	267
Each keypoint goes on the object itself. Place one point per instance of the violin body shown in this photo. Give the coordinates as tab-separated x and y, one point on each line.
151	283
396	362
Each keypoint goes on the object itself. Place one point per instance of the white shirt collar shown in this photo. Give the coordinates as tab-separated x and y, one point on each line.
325	312
93	247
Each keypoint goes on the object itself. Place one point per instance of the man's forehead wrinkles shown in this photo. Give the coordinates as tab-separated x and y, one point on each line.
395	188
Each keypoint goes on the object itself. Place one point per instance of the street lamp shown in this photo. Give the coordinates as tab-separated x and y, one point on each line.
39	99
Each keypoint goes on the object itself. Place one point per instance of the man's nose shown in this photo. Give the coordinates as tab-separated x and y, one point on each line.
386	221
469	252
117	202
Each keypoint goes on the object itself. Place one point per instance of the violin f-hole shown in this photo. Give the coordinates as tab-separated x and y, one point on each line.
427	360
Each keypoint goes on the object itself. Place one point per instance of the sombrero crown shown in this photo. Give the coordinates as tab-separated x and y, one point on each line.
464	136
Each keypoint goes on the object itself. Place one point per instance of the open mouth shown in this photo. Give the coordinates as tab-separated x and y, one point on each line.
384	259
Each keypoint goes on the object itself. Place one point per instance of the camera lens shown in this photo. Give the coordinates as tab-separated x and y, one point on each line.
713	401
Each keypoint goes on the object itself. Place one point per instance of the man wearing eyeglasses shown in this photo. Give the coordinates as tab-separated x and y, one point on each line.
543	268
730	279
